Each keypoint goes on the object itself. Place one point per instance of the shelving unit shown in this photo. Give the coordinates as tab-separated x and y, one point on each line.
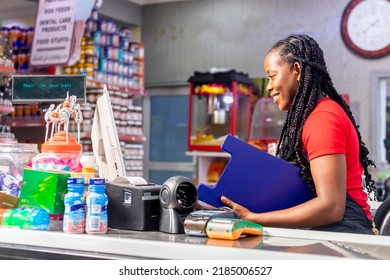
6	137
98	85
128	120
4	71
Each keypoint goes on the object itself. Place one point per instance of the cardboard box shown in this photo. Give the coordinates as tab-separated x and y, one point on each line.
44	189
8	201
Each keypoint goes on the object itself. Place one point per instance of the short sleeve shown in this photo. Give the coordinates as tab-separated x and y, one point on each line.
324	133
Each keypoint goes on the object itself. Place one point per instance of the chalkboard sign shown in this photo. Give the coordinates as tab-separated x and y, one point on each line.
38	89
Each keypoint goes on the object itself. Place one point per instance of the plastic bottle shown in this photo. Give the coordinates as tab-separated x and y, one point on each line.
97	201
26	218
74	201
2	210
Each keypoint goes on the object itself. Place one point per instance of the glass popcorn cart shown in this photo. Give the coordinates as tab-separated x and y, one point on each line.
219	105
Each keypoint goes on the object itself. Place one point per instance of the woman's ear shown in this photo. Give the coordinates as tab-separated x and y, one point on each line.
297	70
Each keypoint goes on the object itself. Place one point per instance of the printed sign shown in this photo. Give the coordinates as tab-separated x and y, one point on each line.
53	33
38	89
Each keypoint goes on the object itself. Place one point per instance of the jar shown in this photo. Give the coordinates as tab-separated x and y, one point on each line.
30	36
74	201
22	60
61	152
89	50
96	207
15	35
13	159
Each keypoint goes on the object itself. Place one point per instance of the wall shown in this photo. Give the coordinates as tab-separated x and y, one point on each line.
196	35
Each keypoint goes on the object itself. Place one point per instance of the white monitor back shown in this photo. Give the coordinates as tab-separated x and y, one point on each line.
105	140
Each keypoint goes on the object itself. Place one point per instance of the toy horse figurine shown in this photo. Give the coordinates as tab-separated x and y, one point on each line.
62	115
55	119
78	118
48	120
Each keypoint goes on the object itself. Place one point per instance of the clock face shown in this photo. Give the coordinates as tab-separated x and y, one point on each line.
365	27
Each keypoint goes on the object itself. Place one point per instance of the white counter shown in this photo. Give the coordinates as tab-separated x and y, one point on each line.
120	244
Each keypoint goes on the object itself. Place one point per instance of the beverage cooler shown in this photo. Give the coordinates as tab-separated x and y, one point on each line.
219	105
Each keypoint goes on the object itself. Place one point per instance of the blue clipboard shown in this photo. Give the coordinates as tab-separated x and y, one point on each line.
257	180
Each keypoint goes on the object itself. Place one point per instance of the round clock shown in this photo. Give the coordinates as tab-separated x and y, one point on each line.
365	27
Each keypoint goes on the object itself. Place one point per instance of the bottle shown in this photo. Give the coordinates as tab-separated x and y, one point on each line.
2	210
74	201
26	218
97	201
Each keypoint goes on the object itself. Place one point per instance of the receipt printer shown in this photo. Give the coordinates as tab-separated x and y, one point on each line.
133	204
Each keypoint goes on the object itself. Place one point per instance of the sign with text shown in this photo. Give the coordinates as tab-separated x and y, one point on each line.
53	34
38	89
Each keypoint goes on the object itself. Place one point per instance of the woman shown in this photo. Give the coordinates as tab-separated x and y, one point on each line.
321	137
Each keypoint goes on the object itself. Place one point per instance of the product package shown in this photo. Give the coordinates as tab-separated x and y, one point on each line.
44	189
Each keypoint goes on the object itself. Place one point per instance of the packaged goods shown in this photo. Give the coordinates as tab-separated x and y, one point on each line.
96	206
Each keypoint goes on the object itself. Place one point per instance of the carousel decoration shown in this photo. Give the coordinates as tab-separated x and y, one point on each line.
60	116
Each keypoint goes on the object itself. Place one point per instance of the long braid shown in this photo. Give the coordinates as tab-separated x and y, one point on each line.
316	82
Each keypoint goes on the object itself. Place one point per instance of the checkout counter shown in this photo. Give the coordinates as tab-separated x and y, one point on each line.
274	244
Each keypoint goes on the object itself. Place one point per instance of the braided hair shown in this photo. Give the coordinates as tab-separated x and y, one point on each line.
314	81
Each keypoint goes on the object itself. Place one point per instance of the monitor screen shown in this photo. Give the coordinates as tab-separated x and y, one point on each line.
38	89
105	140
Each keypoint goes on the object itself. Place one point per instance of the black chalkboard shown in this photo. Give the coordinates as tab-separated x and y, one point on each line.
38	89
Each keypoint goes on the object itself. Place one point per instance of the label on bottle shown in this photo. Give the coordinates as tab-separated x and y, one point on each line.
74	218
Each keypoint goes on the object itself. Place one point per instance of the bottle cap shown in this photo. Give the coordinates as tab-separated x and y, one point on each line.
97	181
75	181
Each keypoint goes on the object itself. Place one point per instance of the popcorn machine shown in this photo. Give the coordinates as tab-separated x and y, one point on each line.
219	105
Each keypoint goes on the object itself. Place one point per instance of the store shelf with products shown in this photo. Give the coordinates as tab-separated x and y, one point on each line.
93	84
128	121
25	122
6	71
5	104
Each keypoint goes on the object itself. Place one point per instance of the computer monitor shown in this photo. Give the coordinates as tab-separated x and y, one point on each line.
105	140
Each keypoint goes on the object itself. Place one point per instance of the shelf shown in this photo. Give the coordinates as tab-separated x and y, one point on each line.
6	70
25	122
97	84
133	138
6	109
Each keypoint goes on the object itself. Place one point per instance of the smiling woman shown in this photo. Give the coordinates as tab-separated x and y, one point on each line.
283	80
321	137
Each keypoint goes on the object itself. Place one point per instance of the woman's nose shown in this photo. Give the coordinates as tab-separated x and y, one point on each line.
269	87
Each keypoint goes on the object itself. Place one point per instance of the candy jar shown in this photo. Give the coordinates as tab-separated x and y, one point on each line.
61	152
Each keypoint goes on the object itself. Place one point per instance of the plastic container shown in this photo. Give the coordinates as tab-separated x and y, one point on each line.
13	159
74	214
59	154
96	207
26	218
2	210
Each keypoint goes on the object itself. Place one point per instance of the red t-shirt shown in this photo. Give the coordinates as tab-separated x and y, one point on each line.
328	130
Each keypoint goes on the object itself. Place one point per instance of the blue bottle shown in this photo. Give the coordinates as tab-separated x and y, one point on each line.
96	206
74	201
26	218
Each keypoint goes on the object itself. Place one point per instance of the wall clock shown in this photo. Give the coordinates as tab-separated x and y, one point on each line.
365	27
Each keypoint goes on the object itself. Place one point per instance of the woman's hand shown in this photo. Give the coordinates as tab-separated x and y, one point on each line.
241	211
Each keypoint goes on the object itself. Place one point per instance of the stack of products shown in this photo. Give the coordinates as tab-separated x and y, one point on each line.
109	56
19	40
